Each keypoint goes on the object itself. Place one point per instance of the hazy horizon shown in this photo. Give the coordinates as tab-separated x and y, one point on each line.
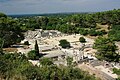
15	7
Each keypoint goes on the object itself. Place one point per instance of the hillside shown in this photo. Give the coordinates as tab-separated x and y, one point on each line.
63	33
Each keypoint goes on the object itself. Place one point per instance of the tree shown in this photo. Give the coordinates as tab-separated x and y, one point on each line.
106	49
118	78
114	33
16	67
3	15
36	48
32	73
32	55
26	43
93	32
69	61
64	43
83	32
116	71
46	61
82	40
10	30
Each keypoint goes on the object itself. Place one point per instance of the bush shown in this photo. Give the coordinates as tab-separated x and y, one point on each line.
93	32
46	61
83	32
118	78
106	49
15	67
32	55
82	40
64	43
114	33
26	43
69	61
32	73
116	71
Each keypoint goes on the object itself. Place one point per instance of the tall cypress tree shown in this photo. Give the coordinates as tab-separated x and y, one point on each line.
36	48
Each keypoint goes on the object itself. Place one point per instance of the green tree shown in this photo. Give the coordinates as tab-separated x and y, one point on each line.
114	33
106	49
32	55
118	78
36	48
82	40
32	73
93	32
69	61
46	62
3	15
26	43
10	31
17	67
83	31
116	71
64	43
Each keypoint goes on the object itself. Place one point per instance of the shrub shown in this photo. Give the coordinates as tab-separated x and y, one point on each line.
64	43
93	32
82	40
83	32
46	61
116	71
26	43
32	55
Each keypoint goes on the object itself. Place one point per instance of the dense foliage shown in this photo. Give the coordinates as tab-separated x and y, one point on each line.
32	55
114	33
77	23
117	71
69	61
82	40
106	49
46	62
10	31
17	67
26	43
64	43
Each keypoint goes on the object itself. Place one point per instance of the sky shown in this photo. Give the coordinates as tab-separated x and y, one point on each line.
56	6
